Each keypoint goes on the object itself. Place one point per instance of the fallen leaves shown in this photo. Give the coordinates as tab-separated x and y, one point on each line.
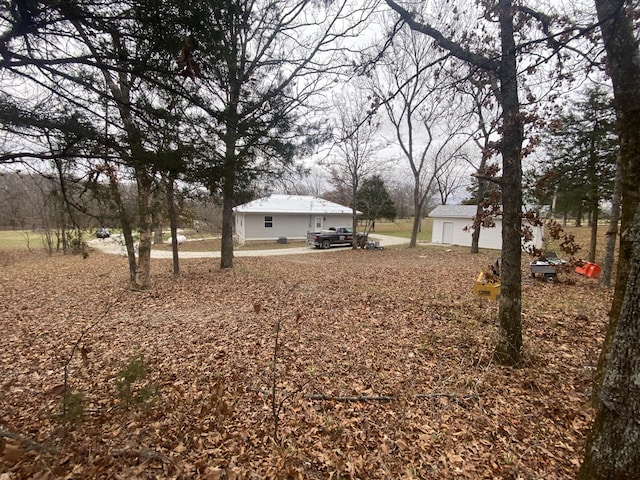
385	369
12	452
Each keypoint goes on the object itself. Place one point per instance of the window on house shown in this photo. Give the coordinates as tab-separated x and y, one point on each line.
268	221
318	222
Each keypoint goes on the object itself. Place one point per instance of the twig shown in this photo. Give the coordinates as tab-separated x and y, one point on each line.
359	398
277	406
27	442
144	454
77	343
373	398
387	398
452	396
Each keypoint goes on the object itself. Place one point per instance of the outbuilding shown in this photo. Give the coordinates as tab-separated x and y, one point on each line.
452	226
287	217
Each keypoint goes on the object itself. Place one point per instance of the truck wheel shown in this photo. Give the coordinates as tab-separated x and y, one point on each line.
326	244
549	277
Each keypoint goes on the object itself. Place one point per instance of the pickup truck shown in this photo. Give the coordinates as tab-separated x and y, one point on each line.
335	236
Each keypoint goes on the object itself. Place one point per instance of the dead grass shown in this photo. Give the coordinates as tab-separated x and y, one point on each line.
403	227
401	323
213	245
582	237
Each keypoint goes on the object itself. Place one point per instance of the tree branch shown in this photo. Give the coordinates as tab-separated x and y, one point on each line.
457	50
488	178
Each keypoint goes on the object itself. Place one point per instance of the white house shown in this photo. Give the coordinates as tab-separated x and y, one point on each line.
449	222
290	216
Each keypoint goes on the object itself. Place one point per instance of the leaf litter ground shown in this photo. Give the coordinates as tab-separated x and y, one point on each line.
383	370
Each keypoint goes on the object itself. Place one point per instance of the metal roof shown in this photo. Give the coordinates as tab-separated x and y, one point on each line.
293	204
469	211
463	211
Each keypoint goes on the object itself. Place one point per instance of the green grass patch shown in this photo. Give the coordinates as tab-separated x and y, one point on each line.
30	240
402	228
19	240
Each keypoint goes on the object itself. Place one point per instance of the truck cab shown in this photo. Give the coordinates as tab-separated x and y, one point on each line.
332	236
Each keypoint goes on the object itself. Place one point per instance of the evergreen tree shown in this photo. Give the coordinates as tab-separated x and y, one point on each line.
374	200
581	170
583	147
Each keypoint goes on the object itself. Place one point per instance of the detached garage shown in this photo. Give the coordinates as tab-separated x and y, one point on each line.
288	216
449	222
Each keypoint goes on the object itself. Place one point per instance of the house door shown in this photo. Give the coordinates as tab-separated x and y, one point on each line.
318	224
447	232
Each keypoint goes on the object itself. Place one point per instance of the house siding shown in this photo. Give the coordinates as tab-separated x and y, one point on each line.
462	217
293	226
283	225
489	237
292	216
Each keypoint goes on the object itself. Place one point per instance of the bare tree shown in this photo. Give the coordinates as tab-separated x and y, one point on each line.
499	61
453	176
138	156
357	143
18	194
422	112
266	60
482	91
75	56
313	182
400	191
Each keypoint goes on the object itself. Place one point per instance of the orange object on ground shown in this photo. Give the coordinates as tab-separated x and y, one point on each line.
591	270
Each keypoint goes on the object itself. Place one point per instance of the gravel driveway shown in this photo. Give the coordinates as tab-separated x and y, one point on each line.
114	245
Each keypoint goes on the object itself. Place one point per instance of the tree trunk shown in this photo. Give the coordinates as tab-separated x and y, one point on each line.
125	223
173	220
623	58
138	159
594	233
509	348
594	196
144	181
156	217
612	233
477	223
157	230
624	62
226	248
417	207
354	216
613	446
64	240
554	203
145	208
127	233
475	234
